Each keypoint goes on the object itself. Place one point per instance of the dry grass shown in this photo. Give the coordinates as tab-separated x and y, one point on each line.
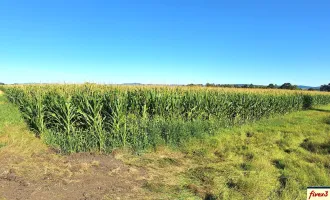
165	169
27	155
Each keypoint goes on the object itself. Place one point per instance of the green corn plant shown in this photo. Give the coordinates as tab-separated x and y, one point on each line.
62	115
90	108
93	117
33	111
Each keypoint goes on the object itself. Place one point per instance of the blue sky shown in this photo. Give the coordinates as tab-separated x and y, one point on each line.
165	41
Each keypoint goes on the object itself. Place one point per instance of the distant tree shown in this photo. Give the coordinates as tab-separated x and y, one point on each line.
192	85
227	85
289	86
271	86
286	86
1	83
311	89
210	85
325	88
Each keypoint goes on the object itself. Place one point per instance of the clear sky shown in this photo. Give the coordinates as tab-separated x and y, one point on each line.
165	41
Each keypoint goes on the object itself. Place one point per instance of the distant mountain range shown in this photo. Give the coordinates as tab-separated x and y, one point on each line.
304	87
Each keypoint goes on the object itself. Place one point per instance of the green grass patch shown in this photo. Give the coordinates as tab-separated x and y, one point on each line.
274	158
2	145
9	114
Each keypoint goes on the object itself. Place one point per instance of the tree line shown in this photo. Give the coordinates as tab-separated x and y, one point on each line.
286	86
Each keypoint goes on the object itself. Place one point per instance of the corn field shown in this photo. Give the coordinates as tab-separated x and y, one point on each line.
91	117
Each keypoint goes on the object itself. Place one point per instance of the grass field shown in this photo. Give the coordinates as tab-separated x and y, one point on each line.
274	158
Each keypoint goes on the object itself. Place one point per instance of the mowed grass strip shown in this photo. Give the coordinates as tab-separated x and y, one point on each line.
274	158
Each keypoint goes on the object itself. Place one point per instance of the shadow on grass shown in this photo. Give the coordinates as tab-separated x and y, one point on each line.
327	121
316	147
320	110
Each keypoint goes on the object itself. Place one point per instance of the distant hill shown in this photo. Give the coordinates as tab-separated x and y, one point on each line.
304	87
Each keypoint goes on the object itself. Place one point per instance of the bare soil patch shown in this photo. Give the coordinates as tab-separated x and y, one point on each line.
80	176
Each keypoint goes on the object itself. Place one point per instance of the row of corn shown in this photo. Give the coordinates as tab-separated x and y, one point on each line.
92	117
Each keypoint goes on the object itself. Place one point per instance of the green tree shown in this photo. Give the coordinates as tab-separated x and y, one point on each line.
209	84
271	86
289	86
325	88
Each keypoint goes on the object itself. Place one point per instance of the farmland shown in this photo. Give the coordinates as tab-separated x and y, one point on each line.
75	118
193	142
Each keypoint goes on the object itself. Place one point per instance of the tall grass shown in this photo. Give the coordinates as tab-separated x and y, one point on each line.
94	117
